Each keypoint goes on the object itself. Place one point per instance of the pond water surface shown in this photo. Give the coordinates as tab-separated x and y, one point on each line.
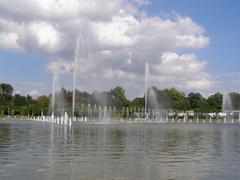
37	150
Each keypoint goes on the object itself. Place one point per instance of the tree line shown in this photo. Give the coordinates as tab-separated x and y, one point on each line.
171	98
21	105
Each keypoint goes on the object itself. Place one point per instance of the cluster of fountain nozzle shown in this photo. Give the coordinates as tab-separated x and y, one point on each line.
184	117
65	120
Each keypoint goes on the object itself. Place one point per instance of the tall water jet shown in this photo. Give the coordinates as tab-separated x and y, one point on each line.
146	89
80	56
74	76
57	105
227	106
227	102
151	101
105	115
53	98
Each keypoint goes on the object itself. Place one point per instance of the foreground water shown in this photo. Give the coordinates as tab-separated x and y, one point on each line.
36	150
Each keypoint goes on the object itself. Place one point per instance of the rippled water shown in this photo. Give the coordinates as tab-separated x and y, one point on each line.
36	150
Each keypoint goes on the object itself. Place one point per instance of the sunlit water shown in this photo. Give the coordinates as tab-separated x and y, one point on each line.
37	150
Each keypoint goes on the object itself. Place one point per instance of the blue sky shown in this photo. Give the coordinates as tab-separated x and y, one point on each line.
28	70
220	20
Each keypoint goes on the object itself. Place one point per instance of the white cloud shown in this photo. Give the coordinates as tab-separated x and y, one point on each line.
34	93
122	29
9	41
59	10
172	64
117	32
200	83
60	67
30	36
40	35
119	74
116	39
185	72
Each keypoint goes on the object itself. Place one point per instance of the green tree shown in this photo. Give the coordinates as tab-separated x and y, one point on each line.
29	100
177	99
19	100
42	101
197	101
235	100
6	91
215	102
118	97
138	102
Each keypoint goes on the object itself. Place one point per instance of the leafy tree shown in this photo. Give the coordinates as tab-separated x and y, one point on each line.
166	98
30	100
118	97
138	102
197	101
215	102
42	101
6	91
19	100
235	100
177	99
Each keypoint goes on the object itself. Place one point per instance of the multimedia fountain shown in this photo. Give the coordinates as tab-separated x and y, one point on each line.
152	112
109	115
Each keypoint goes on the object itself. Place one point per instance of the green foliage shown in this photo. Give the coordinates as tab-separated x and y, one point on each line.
166	98
19	100
6	91
197	101
118	97
138	102
235	100
177	99
215	102
42	101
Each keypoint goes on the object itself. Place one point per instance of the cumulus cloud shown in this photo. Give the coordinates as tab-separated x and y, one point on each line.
40	35
34	93
9	41
123	27
116	39
59	10
182	71
60	67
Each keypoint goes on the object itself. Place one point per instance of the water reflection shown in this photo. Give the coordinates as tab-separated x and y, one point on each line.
5	134
30	150
117	143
